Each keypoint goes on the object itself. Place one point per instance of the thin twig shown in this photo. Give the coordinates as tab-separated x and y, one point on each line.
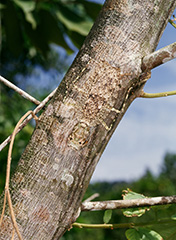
159	57
36	110
172	23
122	225
93	196
13	234
19	90
11	146
15	225
104	226
156	95
132	203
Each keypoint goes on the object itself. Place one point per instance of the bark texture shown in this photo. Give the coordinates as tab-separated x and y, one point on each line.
71	134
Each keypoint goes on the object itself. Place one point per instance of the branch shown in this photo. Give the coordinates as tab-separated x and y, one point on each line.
19	90
95	195
172	23
156	95
121	225
104	226
36	110
159	57
119	204
133	203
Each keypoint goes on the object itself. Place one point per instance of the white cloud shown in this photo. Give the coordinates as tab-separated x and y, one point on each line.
145	134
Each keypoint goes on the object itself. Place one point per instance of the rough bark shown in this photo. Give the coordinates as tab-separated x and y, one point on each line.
71	134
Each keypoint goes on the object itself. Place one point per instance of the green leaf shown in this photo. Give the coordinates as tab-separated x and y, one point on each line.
29	18
138	212
132	234
73	21
47	31
107	216
173	217
2	6
167	230
133	212
51	31
142	234
37	39
76	38
27	7
12	29
132	195
89	6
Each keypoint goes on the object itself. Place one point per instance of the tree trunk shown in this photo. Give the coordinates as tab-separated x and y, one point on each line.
71	134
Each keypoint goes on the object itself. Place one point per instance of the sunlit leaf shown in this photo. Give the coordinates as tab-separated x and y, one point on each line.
128	194
173	217
2	6
31	19
28	7
138	212
142	234
73	21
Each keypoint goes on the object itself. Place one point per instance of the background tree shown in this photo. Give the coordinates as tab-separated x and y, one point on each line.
169	167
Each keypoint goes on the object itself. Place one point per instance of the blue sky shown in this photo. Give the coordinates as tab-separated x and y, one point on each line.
148	129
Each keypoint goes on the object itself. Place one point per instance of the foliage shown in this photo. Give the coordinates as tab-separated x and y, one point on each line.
30	27
142	233
133	212
169	167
